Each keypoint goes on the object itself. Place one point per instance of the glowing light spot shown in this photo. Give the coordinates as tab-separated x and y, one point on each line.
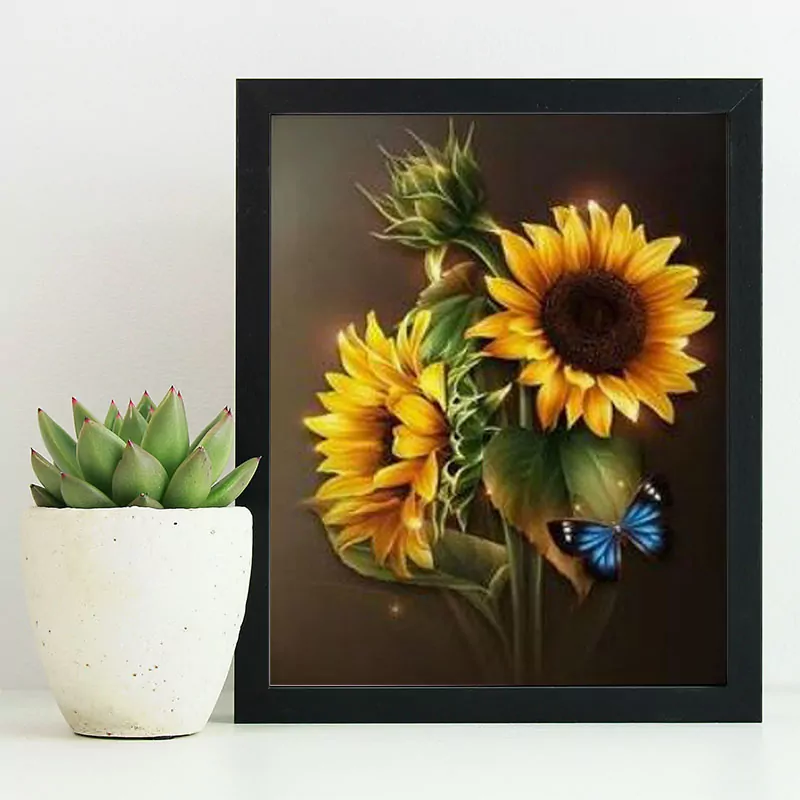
395	609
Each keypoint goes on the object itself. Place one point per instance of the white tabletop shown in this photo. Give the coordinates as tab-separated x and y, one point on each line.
41	758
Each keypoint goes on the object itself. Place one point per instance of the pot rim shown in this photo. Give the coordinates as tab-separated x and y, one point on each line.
139	511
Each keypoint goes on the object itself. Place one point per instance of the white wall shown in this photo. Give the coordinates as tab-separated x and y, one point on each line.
117	198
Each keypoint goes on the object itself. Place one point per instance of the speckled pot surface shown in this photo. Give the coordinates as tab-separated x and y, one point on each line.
136	612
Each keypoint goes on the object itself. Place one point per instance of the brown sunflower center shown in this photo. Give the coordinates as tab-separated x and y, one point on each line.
595	321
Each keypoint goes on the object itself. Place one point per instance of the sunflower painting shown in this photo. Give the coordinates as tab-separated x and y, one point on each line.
515	424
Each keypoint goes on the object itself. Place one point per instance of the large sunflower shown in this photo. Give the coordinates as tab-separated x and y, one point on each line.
381	438
598	315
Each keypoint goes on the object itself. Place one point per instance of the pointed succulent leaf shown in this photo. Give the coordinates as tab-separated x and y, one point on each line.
167	435
79	494
133	426
145	501
145	405
199	438
189	486
44	499
137	473
117	426
99	451
218	443
59	444
111	415
225	491
79	414
48	474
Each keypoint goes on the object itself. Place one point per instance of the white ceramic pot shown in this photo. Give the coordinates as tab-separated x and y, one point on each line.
136	612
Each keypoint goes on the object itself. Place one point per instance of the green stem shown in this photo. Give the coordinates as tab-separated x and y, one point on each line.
516	567
535	562
485	247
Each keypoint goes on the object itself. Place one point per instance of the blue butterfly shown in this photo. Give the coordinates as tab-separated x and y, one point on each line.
599	545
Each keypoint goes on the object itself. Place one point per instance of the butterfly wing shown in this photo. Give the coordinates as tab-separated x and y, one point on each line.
643	522
594	543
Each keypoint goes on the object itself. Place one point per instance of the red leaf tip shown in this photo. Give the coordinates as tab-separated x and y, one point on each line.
74	401
63	474
130	443
39	411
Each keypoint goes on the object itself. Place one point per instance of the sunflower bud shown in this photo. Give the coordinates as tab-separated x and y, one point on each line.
435	196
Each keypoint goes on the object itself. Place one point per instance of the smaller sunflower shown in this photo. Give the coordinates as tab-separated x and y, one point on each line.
382	437
598	317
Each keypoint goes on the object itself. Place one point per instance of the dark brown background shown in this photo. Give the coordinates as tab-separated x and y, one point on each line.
330	626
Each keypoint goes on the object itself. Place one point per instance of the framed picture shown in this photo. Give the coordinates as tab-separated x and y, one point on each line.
502	342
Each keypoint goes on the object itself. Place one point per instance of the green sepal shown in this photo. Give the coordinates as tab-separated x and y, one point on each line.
226	490
145	406
144	501
79	414
79	494
133	426
137	473
44	499
59	444
167	434
48	474
111	415
199	438
99	451
218	443
189	486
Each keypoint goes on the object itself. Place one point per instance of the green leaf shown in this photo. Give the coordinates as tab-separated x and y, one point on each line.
48	474
199	438
601	474
79	414
189	486
137	473
469	557
167	435
99	451
218	443
461	280
44	499
226	490
145	501
525	482
522	472
116	427
145	406
59	444
79	494
111	415
134	425
450	320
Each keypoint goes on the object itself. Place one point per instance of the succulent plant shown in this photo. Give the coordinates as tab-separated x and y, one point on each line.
142	459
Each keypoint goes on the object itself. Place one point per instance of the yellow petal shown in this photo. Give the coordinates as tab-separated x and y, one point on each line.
578	377
619	241
493	325
347	511
419	550
549	249
419	414
331	447
383	538
676	383
404	351
678	323
422	321
576	242
339	404
411	513
376	338
620	394
511	295
409	444
550	399
353	534
538	372
431	382
651	259
358	462
666	359
574	406
343	426
599	233
650	394
399	474
560	215
397	558
674	282
518	346
354	357
427	479
391	375
520	257
359	392
597	411
344	486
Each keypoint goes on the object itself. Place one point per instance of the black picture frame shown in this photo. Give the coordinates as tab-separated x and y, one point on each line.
740	100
